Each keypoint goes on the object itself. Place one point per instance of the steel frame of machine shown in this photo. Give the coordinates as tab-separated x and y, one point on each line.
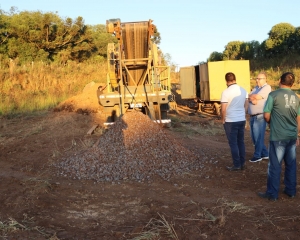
135	79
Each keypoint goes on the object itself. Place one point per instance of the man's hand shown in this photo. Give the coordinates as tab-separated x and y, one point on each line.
254	101
253	98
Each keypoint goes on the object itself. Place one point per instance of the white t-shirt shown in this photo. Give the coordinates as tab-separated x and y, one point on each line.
235	96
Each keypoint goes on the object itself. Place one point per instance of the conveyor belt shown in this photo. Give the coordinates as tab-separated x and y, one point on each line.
135	40
136	46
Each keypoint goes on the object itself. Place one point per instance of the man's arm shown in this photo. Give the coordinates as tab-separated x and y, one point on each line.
223	111
246	105
268	109
255	96
298	122
262	94
267	117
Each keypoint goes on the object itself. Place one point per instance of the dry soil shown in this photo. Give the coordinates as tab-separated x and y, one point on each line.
209	202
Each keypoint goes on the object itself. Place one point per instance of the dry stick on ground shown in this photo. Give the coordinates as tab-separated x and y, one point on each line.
222	218
156	228
92	129
195	219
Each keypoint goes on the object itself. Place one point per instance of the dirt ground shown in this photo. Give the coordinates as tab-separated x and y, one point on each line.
209	203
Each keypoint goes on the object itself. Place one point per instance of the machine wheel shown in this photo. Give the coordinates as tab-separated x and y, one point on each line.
217	109
201	107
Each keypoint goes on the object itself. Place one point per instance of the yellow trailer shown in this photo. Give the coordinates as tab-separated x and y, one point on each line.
205	82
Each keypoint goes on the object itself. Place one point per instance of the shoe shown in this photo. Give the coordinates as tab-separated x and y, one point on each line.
233	168
265	158
243	167
267	196
254	159
289	195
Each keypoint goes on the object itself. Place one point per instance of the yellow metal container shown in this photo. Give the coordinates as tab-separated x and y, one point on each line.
207	81
216	76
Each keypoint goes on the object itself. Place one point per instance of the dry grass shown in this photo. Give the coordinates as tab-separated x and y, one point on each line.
233	206
12	226
157	229
39	86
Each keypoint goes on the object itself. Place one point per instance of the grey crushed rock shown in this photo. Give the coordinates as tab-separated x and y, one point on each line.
133	148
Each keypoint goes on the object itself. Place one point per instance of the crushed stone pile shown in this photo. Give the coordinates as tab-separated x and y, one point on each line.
134	148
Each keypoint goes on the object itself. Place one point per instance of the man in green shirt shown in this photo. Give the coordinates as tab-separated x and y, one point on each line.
282	112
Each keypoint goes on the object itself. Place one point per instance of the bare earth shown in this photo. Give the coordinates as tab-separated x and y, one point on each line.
209	202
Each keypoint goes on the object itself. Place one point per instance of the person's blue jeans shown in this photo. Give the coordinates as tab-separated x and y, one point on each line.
278	151
257	129
235	135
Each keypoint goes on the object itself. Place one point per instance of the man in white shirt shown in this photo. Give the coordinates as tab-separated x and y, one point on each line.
234	105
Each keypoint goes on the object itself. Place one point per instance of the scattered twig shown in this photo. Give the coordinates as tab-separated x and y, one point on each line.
195	219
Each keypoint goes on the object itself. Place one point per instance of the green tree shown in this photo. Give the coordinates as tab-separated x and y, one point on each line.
215	56
232	51
35	35
293	41
101	38
278	43
249	50
156	36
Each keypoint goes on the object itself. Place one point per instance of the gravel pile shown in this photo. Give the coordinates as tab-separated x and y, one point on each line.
133	148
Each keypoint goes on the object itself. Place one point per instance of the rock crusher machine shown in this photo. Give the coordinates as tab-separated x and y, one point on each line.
135	80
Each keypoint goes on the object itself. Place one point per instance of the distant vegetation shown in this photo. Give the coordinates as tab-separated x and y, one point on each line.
277	54
280	50
45	59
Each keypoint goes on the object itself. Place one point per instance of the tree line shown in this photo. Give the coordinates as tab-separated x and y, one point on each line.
31	36
283	42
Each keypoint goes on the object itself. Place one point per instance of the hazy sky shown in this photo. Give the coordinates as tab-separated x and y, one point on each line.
190	29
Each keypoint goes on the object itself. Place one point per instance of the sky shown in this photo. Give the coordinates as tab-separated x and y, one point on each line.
190	30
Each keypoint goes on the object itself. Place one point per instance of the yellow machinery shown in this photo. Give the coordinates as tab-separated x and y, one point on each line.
205	82
135	80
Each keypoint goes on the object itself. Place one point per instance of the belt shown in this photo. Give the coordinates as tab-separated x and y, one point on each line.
253	115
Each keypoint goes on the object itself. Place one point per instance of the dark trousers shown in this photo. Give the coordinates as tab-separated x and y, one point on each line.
282	151
235	134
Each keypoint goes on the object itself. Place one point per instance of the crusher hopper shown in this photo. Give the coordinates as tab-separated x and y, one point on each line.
136	80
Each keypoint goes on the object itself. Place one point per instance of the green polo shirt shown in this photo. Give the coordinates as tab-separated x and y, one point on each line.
283	104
